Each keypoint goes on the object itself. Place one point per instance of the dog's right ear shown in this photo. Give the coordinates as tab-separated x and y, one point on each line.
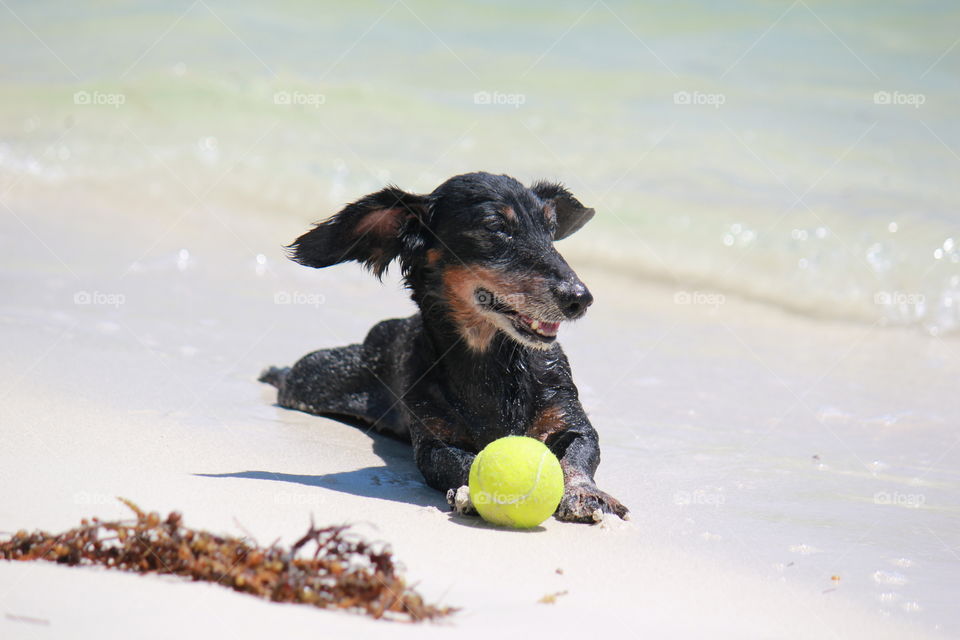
373	230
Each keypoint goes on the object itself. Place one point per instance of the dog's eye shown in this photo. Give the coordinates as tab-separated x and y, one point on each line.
496	224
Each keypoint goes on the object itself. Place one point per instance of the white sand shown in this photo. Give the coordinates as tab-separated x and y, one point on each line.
142	399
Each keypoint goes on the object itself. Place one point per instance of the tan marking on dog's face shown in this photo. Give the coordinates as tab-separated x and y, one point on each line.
547	423
433	256
509	213
460	284
524	294
381	222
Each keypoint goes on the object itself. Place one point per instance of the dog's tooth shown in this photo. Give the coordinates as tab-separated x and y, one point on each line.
535	324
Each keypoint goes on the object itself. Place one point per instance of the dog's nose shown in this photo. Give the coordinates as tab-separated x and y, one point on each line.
573	299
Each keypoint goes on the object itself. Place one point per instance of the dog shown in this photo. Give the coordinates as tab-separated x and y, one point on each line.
480	360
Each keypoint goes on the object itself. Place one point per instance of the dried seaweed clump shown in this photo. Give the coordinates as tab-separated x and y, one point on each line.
342	572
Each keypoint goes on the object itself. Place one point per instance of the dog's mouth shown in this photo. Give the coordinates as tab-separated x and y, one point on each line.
546	331
536	329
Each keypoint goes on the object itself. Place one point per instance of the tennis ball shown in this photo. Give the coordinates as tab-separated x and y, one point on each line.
516	481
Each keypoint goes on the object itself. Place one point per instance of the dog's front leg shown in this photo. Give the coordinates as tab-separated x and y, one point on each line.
444	465
569	434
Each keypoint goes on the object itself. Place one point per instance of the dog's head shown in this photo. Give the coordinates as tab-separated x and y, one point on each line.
481	245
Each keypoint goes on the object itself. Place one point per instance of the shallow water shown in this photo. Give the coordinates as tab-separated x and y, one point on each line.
739	147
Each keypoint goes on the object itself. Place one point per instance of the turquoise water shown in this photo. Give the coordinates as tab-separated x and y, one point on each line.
739	147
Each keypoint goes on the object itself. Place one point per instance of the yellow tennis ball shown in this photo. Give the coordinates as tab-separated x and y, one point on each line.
516	481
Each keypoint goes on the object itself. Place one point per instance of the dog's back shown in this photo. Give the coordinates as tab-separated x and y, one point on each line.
363	382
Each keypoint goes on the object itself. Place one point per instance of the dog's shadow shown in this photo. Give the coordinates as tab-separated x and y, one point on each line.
398	479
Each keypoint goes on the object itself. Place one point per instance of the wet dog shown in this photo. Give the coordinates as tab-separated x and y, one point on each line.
480	360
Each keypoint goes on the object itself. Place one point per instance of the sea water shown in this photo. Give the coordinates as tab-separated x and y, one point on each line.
804	154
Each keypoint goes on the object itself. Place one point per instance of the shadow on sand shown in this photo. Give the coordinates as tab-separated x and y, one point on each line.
398	479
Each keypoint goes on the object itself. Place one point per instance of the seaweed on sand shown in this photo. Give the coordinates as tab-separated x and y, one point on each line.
342	571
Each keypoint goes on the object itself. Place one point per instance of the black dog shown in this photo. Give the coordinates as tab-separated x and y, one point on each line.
480	361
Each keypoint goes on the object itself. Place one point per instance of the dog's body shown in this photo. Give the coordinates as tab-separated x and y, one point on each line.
480	360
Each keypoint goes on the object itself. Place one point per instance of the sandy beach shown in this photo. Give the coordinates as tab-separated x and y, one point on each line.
155	399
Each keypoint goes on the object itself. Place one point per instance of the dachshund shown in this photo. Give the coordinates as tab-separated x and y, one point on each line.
480	360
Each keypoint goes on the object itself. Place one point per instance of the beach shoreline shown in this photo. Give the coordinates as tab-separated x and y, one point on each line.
153	397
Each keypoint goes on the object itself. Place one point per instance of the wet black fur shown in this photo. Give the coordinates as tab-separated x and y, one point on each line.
416	378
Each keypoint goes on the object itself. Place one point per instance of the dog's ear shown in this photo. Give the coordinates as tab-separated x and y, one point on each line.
373	230
571	214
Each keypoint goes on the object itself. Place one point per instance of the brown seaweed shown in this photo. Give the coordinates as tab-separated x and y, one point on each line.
327	567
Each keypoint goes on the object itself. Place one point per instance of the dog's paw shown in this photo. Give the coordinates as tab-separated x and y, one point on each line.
586	503
459	501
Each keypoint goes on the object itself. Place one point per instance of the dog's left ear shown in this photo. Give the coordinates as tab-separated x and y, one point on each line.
571	214
374	231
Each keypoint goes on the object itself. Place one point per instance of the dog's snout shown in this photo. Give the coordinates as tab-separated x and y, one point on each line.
573	298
